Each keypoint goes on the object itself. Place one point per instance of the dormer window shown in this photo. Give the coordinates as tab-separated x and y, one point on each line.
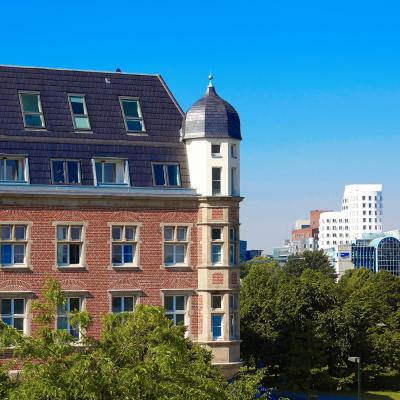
65	172
79	112
32	110
13	169
111	172
166	175
132	114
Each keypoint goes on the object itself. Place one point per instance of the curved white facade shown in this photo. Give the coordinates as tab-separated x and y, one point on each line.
362	212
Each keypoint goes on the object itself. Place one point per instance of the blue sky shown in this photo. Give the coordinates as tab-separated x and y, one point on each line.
317	85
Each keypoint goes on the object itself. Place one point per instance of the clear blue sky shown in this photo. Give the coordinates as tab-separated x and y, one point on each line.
316	83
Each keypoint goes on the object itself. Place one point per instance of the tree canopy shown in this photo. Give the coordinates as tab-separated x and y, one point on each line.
303	326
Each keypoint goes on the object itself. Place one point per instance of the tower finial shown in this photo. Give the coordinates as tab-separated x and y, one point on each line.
210	78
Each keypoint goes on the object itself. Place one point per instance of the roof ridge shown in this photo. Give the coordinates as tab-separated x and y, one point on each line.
76	70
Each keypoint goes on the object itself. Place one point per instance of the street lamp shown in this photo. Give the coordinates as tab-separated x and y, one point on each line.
358	361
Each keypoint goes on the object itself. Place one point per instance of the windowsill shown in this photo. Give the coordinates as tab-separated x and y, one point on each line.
14	268
176	267
14	183
113	185
83	131
137	133
71	268
216	156
126	267
32	128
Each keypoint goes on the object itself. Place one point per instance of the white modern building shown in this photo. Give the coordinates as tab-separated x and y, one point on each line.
361	213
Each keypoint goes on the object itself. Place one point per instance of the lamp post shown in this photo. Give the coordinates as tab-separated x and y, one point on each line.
358	361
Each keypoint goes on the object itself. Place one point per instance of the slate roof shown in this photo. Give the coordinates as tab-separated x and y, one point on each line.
211	117
108	138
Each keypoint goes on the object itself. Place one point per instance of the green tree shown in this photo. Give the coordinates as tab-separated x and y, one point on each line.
314	260
140	355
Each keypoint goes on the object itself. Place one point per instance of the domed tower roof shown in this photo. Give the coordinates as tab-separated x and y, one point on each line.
211	117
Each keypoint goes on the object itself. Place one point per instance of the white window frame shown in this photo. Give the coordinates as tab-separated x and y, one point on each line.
139	118
214	192
65	168
217	338
12	315
13	241
86	115
175	241
68	241
121	164
166	174
174	312
123	297
68	311
123	241
23	169
217	243
40	113
213	154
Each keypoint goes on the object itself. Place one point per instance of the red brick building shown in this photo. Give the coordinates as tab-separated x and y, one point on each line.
107	186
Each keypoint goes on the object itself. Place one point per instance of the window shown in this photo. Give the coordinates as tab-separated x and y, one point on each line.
216	246
69	245
32	110
13	243
65	172
13	313
232	246
122	304
175	245
215	150
216	326
123	247
234	190
216	181
79	112
71	305
132	115
175	308
216	301
166	175
13	169
233	151
112	172
233	316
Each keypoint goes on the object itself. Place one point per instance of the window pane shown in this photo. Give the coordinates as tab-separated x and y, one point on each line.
19	253
76	232
82	122
116	304
216	253
62	323
216	321
181	233
180	253
180	303
73	171
110	172
7	320
159	178
12	170
19	324
131	108
6	253
74	304
58	172
180	319
169	303
173	175
19	306
34	121
216	174
128	253
215	149
134	125
30	102
74	333
74	253
216	233
62	232
20	232
77	105
6	232
169	254
62	254
128	304
117	233
216	301
6	306
117	254
170	316
99	172
130	233
168	233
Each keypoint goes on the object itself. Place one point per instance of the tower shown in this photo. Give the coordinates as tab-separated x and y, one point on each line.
211	133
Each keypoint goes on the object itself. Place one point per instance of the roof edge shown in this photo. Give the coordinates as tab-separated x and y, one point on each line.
171	95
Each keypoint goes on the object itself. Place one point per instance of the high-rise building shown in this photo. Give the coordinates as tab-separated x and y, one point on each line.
109	187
